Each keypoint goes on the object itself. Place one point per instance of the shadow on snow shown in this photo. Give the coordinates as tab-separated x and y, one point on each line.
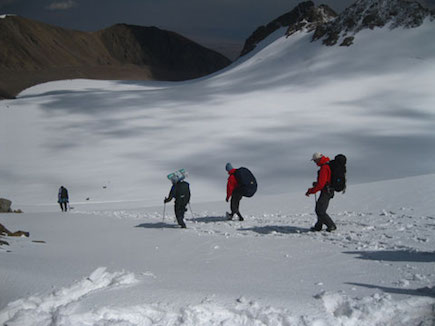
209	219
158	225
276	229
390	255
425	292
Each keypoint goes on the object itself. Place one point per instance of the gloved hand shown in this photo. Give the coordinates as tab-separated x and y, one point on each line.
165	200
226	199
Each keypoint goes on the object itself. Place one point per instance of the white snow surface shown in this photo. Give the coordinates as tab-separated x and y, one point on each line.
6	15
118	258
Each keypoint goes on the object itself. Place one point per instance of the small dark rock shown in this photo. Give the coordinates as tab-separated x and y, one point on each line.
348	41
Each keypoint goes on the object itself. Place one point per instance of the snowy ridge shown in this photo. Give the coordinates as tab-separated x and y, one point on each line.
315	17
365	14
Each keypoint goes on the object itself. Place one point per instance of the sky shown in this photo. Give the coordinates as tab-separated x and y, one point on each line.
212	21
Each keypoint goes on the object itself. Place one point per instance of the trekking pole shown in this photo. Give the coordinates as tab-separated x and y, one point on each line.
164	210
315	197
193	216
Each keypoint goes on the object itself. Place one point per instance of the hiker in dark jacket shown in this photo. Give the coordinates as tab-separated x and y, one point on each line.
326	193
181	192
233	192
62	198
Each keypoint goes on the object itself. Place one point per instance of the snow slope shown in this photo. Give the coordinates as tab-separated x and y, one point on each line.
269	112
116	260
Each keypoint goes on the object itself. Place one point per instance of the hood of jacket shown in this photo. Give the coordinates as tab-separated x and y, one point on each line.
323	160
232	171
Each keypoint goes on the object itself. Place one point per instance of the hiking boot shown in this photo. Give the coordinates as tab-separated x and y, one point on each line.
332	228
229	216
314	229
183	226
241	218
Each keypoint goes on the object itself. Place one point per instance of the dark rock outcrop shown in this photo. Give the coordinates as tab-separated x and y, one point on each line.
312	18
304	15
5	232
369	14
5	205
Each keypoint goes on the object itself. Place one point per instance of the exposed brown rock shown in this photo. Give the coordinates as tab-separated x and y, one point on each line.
4	231
32	52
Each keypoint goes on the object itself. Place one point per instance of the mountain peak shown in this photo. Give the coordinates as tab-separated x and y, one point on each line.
304	15
365	14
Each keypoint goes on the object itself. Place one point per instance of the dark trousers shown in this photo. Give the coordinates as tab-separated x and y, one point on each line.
321	207
235	202
180	209
63	206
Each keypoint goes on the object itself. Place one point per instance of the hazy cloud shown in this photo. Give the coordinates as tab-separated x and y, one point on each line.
62	5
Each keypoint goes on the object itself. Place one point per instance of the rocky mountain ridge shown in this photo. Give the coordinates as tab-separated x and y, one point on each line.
32	52
369	14
304	15
330	27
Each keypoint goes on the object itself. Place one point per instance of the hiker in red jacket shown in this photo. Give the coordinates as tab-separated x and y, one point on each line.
326	193
233	192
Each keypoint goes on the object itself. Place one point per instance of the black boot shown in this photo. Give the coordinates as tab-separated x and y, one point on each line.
331	228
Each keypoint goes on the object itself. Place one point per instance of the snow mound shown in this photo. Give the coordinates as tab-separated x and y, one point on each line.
378	309
6	15
65	307
54	308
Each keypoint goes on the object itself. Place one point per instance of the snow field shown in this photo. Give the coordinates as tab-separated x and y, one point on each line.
375	270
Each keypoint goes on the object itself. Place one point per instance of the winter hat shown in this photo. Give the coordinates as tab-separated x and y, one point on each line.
317	156
228	167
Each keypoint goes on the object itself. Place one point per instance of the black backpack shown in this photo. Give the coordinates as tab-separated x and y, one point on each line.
338	173
246	181
182	192
64	193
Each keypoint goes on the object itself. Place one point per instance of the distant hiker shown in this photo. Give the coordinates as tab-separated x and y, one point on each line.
181	192
241	183
62	198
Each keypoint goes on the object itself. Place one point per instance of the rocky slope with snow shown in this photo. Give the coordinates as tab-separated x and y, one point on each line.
332	28
304	15
370	14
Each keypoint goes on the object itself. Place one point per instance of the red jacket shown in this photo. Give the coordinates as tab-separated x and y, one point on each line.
232	183
323	176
